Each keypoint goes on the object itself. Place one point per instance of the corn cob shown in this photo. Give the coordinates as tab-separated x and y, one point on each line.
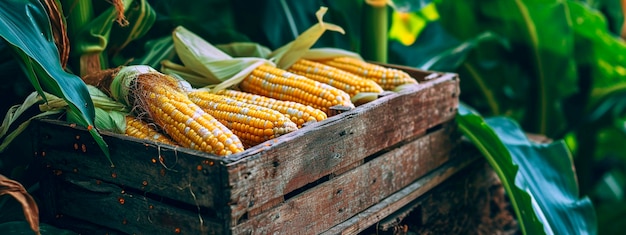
253	124
279	84
139	129
296	112
165	101
387	78
348	82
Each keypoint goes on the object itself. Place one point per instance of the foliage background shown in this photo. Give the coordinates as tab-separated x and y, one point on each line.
557	67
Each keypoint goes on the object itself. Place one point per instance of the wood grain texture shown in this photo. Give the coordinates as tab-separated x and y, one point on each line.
332	202
398	200
137	164
130	212
323	148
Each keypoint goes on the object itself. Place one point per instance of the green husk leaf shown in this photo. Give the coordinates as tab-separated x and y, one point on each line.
288	54
245	49
111	120
7	141
364	97
207	60
180	71
16	111
329	53
158	50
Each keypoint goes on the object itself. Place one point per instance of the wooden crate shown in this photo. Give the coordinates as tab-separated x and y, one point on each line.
305	182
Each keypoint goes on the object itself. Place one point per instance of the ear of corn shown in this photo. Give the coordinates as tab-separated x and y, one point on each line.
279	84
387	78
296	112
161	97
345	81
140	129
253	124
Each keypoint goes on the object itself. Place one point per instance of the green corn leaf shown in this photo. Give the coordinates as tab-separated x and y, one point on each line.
452	58
25	25
539	178
531	26
140	17
92	37
603	52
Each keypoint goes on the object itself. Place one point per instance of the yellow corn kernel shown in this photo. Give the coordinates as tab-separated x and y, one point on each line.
279	84
296	112
139	129
171	109
342	80
253	124
387	78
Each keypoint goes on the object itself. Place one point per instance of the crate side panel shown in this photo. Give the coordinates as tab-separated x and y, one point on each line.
111	206
165	171
334	201
295	160
401	201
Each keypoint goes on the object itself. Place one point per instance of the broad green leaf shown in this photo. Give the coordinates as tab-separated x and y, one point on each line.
602	52
22	228
612	10
452	58
542	43
25	25
538	178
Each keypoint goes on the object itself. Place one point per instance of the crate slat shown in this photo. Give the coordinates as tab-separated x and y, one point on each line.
333	201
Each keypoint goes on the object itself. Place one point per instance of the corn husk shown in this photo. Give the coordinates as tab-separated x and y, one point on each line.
221	70
245	49
288	54
109	113
203	58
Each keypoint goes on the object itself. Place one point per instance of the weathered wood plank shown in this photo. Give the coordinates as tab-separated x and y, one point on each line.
395	202
331	202
320	149
113	207
143	165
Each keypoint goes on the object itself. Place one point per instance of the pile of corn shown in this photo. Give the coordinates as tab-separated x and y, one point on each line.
268	103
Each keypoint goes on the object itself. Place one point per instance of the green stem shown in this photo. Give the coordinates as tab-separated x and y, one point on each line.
80	13
374	33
